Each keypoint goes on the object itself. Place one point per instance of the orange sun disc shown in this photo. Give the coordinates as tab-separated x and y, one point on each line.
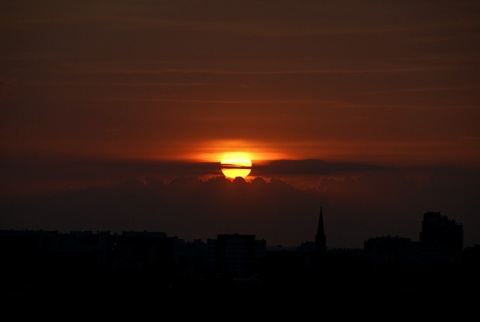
236	165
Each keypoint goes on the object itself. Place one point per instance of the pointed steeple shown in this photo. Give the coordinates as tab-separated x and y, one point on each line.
320	238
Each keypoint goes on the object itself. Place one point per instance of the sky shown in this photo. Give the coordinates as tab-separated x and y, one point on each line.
115	115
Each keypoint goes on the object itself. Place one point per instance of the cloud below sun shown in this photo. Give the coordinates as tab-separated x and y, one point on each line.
375	199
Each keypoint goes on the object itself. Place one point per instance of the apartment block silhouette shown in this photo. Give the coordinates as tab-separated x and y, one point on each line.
442	232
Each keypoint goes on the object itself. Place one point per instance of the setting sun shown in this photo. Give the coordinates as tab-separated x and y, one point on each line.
236	164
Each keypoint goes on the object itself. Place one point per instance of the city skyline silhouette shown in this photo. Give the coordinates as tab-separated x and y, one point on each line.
144	266
193	208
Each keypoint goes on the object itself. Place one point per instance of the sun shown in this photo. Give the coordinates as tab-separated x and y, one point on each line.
236	164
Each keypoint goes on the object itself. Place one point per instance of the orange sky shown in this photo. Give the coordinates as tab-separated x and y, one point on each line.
369	81
362	83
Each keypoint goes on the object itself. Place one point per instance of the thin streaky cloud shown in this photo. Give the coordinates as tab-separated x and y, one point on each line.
314	167
132	84
144	16
233	101
430	89
256	72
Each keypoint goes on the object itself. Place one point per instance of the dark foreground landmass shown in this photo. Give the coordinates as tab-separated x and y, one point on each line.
337	285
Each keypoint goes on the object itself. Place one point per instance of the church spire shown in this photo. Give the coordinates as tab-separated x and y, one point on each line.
320	238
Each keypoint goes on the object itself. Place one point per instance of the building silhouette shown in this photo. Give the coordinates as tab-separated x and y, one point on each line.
441	241
141	269
320	237
235	256
441	238
442	232
391	250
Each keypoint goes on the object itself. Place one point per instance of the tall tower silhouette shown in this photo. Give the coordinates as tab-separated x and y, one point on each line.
320	238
